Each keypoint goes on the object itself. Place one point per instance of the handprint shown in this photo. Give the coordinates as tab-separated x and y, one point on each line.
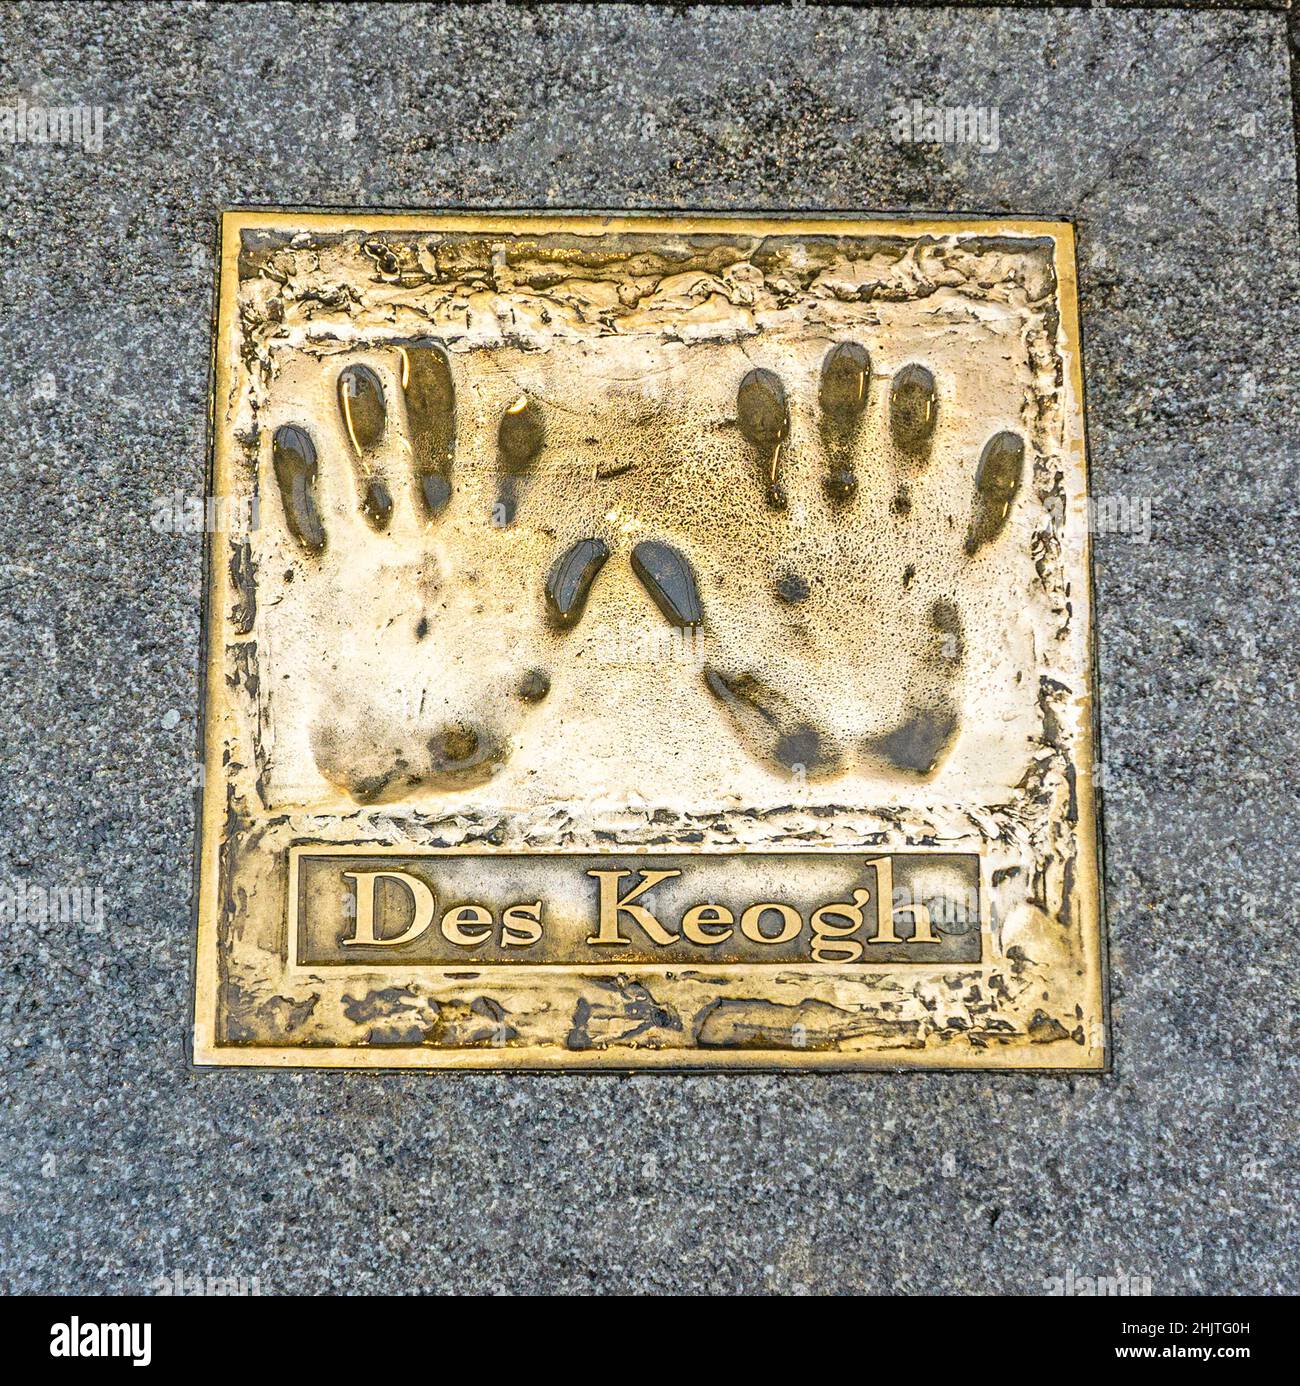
773	697
429	658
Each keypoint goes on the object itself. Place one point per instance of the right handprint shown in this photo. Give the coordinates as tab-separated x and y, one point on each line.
883	617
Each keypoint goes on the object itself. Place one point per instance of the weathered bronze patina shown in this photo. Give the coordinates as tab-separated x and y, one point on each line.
665	643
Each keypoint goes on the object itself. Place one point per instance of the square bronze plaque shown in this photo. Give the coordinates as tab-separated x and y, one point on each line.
648	642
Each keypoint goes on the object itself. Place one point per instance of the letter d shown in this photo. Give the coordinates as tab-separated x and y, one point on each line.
421	895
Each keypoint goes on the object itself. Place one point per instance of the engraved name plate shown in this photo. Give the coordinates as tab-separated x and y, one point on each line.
648	642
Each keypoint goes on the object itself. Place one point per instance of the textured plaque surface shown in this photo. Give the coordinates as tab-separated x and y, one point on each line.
648	642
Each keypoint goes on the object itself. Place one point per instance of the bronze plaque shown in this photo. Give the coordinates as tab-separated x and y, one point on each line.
648	642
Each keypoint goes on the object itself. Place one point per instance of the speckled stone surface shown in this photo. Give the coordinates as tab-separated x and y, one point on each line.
1167	135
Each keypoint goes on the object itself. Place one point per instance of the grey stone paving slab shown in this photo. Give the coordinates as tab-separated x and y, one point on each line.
1167	135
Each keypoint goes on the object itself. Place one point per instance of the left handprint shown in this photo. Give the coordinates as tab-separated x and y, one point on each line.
409	649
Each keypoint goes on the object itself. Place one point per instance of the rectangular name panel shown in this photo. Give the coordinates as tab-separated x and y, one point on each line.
833	908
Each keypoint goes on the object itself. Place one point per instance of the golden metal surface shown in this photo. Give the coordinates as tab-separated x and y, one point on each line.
664	642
